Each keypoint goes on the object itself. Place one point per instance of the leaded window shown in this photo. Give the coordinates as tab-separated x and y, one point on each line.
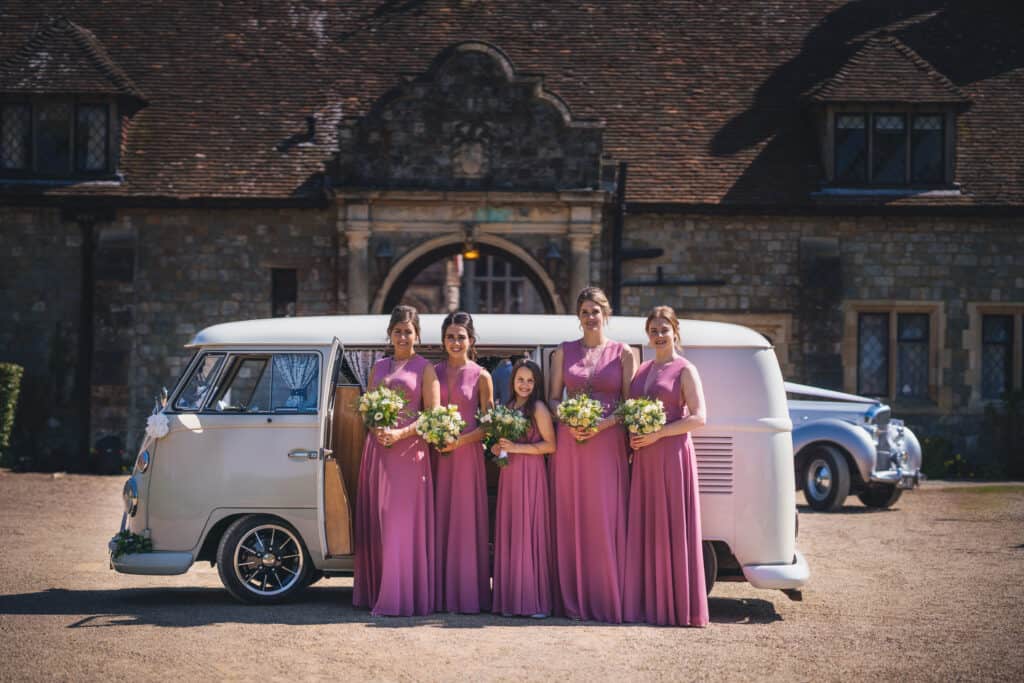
996	355
53	138
851	149
889	149
912	344
15	136
873	354
91	137
927	154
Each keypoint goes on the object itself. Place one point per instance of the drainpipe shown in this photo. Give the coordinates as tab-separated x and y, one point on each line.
619	254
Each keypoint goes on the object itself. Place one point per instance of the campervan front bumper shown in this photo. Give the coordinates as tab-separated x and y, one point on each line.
154	564
781	576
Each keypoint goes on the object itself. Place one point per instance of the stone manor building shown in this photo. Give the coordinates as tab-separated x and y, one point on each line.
845	177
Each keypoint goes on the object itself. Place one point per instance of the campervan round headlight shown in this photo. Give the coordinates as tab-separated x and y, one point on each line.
142	462
131	497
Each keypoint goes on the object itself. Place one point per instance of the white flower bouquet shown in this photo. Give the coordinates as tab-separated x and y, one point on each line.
503	422
642	415
440	426
581	412
381	407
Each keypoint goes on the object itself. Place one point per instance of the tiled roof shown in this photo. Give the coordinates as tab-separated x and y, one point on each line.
706	101
886	70
62	57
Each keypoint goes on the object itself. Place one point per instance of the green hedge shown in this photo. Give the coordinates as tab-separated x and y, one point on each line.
10	386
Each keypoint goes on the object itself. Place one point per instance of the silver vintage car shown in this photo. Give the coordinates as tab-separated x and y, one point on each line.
844	443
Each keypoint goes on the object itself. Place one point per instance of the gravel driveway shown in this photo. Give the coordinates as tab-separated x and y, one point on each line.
930	590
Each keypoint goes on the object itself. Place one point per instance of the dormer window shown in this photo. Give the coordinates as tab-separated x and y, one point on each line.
888	120
903	148
55	138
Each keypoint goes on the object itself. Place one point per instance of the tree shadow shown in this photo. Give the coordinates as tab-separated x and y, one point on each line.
847	510
322	605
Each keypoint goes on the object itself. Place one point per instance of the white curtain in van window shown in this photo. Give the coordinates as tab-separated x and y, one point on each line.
297	370
361	363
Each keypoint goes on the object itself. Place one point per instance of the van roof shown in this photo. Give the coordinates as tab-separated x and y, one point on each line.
492	330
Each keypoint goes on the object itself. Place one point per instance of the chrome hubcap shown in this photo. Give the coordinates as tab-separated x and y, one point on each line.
819	479
268	560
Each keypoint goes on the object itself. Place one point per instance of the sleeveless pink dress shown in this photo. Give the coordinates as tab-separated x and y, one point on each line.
522	562
394	520
664	560
589	487
462	566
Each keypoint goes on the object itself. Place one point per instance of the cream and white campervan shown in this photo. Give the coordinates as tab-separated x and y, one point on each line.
257	472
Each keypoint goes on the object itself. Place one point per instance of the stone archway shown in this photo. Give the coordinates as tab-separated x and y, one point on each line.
446	243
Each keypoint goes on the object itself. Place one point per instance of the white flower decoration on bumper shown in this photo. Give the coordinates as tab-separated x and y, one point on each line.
157	425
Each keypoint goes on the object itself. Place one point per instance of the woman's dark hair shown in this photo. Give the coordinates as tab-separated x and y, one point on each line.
462	319
404	314
537	395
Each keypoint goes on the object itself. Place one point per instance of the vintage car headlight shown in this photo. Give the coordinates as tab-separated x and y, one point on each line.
142	462
131	497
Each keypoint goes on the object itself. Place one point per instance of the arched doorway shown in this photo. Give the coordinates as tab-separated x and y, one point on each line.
436	279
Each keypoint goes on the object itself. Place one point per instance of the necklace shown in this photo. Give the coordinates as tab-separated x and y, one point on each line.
654	373
397	367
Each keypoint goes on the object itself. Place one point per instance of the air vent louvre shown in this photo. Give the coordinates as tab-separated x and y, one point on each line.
714	463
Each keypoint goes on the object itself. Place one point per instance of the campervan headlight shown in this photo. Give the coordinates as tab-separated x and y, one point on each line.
131	497
142	462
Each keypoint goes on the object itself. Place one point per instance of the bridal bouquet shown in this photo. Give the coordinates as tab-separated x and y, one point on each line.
503	422
440	426
642	415
581	412
380	407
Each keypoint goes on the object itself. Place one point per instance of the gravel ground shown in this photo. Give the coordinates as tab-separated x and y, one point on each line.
930	590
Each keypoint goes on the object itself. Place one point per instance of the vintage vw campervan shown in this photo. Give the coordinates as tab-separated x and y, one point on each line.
258	466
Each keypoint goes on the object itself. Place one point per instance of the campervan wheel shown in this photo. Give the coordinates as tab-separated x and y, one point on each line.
262	559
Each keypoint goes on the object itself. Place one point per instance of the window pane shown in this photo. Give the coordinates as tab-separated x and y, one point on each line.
873	354
245	391
284	292
91	137
200	383
926	149
295	384
889	149
15	131
54	138
851	149
996	355
912	371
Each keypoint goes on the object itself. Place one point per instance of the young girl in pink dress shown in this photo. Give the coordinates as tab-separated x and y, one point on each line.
394	520
589	472
462	567
522	577
664	560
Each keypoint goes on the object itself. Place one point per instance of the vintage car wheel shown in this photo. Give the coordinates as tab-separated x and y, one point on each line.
710	566
826	479
261	559
880	495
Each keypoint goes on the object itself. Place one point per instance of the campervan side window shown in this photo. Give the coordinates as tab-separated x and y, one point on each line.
278	383
200	384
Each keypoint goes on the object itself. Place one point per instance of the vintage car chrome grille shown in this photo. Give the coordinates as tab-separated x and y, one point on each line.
714	462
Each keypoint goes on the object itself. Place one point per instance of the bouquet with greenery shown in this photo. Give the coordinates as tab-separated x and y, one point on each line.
381	407
580	412
642	415
503	422
440	426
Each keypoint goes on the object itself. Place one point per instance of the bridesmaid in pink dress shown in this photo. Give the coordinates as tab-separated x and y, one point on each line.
590	480
522	562
394	520
665	562
462	567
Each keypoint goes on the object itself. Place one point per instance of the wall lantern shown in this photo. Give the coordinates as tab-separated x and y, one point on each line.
553	259
470	252
384	254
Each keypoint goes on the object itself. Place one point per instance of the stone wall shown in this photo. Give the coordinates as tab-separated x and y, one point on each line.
811	267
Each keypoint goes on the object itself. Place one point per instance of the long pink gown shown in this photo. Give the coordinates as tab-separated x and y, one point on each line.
664	560
394	521
522	543
462	567
589	487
